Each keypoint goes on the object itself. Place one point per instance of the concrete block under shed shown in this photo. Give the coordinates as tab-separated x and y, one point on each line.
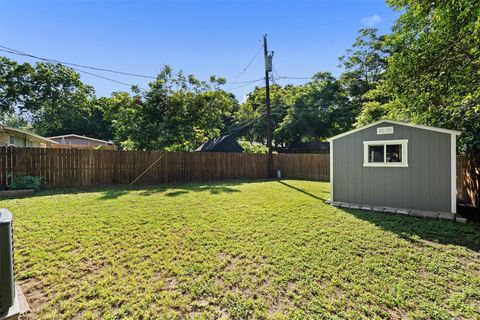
413	213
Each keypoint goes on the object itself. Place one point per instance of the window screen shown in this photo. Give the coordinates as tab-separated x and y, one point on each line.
394	153
375	153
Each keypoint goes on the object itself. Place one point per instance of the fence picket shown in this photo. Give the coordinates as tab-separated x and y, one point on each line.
86	167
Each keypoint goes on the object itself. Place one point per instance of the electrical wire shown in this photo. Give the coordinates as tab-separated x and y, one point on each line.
249	63
233	126
70	64
109	79
275	71
76	64
273	80
79	70
295	78
247	81
244	85
238	128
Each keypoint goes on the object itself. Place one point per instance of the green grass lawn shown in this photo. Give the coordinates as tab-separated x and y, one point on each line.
237	250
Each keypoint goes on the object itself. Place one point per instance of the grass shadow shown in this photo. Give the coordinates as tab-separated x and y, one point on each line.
177	190
418	230
170	190
113	194
116	191
175	193
302	191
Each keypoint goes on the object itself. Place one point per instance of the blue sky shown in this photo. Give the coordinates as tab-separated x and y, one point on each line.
211	37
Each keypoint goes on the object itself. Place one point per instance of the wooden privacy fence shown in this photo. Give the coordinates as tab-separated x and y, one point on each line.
468	180
81	167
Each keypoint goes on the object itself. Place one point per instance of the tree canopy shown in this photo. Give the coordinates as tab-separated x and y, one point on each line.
51	98
433	75
178	113
426	71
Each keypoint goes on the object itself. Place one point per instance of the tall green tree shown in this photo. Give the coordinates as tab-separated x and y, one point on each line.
15	86
433	74
252	112
52	98
178	112
319	109
312	111
364	64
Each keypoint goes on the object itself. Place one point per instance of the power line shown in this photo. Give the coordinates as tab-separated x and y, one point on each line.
295	78
79	70
275	71
247	114
106	78
279	77
248	122
247	81
245	125
230	123
249	63
75	64
21	53
245	85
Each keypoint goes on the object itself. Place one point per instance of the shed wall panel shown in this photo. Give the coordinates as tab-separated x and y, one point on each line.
423	185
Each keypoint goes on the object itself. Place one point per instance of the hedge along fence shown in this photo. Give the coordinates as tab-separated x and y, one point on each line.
83	168
468	180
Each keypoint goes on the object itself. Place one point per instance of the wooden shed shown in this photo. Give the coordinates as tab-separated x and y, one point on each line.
395	166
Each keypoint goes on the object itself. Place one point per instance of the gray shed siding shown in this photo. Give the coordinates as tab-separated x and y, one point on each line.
424	185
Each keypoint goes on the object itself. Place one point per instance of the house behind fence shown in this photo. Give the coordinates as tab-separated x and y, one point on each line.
20	138
82	142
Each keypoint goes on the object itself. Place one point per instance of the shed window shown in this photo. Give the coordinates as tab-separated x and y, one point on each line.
394	152
376	154
11	140
386	153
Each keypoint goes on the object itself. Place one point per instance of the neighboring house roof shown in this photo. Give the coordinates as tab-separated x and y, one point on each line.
81	137
226	143
401	123
11	129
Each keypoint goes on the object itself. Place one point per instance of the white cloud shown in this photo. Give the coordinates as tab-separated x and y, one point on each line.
371	21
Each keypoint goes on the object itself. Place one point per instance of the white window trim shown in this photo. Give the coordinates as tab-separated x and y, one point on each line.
384	164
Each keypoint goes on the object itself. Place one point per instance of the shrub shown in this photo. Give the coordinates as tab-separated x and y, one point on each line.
21	181
251	147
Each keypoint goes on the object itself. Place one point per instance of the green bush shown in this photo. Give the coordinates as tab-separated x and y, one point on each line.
250	147
21	181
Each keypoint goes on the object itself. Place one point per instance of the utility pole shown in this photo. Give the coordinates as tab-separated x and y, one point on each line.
268	69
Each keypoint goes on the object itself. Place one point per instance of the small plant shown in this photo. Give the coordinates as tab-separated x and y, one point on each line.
251	147
21	181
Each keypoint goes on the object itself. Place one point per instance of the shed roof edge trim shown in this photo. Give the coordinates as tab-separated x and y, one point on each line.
395	122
